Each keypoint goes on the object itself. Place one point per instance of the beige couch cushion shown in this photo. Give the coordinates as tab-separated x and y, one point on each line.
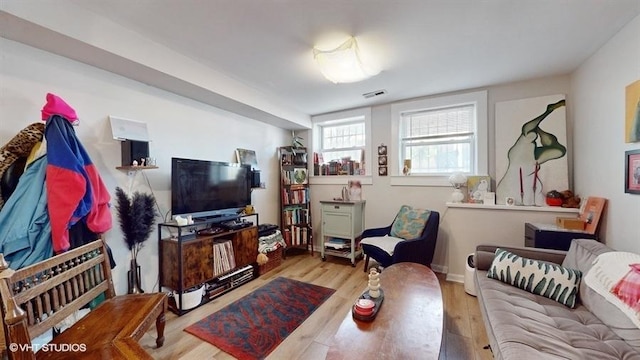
582	254
527	326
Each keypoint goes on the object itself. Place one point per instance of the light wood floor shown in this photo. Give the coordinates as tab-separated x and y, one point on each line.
464	334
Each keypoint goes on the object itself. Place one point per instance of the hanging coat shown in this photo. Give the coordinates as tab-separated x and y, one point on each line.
19	146
74	187
25	231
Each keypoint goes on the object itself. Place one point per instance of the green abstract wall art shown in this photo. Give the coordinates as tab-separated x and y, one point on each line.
531	152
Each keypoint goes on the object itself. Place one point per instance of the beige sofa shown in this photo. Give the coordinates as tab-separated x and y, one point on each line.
522	326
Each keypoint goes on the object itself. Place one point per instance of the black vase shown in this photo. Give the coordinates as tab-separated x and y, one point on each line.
134	278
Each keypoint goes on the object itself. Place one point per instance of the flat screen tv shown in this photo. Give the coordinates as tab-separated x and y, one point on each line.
209	188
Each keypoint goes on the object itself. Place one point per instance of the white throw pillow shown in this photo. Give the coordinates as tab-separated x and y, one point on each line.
607	270
386	243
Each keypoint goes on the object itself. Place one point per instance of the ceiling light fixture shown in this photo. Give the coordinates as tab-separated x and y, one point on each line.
343	64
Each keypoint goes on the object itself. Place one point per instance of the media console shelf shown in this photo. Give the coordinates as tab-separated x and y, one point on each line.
193	256
135	168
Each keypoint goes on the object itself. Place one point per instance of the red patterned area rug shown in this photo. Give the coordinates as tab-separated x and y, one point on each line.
254	325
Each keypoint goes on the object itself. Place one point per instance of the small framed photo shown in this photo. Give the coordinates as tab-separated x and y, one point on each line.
382	160
632	172
489	198
382	170
247	157
382	149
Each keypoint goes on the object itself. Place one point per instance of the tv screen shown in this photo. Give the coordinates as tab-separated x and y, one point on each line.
209	188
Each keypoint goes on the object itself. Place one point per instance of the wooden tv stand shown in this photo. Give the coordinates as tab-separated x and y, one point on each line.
187	259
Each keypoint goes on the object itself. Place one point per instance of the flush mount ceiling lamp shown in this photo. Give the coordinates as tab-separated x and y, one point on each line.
343	64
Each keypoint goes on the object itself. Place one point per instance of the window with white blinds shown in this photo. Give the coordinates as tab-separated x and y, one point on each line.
439	141
439	136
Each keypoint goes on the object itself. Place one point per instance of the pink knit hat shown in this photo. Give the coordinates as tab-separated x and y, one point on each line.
56	106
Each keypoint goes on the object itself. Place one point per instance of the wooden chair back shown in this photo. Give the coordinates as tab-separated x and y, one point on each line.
38	297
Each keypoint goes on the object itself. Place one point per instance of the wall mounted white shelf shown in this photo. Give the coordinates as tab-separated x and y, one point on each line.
135	168
514	207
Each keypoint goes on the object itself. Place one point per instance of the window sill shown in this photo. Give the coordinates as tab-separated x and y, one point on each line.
339	179
514	207
416	180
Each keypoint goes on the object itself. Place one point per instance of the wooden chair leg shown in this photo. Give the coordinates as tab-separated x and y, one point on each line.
160	321
366	263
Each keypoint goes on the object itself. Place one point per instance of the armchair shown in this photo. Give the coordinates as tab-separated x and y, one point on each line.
379	244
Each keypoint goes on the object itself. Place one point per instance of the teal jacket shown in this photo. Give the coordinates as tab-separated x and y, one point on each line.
25	229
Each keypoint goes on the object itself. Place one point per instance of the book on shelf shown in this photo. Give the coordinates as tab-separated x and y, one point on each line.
296	235
295	196
223	257
295	215
336	243
297	176
340	251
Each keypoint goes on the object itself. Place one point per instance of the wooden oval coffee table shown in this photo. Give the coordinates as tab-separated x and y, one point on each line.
409	322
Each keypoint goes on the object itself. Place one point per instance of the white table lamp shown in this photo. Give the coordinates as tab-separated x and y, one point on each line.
457	180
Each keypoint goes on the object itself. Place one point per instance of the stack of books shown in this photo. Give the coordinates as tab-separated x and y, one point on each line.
338	244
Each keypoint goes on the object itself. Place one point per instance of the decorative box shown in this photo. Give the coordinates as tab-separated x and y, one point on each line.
275	259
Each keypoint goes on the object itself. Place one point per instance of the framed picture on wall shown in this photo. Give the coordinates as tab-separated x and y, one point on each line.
632	172
247	157
632	112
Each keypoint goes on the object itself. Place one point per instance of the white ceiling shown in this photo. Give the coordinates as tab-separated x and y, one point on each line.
423	46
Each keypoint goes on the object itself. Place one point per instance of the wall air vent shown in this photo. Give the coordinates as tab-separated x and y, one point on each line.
369	95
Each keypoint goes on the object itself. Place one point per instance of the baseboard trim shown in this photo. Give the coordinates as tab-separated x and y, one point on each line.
443	269
455	278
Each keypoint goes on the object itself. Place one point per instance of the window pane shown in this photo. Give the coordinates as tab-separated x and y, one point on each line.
343	136
438	158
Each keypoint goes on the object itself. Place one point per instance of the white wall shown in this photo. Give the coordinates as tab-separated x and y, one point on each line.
68	29
598	102
465	228
177	126
384	200
182	127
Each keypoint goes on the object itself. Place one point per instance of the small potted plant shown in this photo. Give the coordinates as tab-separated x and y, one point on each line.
137	217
